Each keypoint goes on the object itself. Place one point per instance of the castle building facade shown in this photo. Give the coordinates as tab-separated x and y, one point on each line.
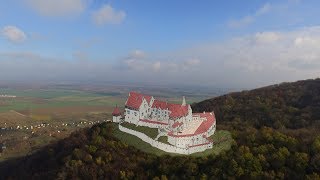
183	128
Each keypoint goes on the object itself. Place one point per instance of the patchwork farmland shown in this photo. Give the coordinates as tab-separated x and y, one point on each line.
33	117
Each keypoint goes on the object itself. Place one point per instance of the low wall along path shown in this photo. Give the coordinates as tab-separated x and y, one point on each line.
160	145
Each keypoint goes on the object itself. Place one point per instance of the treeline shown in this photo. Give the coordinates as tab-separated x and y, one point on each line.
287	105
95	154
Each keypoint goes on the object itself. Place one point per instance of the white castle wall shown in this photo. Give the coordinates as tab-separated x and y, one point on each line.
212	129
187	140
160	114
116	118
163	146
131	116
144	109
151	125
200	148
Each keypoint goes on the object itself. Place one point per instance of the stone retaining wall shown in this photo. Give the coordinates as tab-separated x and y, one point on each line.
163	146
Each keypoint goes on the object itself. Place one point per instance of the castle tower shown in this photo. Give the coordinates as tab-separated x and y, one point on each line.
116	114
183	101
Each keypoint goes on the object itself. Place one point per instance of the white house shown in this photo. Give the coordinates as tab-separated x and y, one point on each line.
183	128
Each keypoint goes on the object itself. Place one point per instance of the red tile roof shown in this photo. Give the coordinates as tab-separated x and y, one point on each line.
176	124
116	111
204	126
148	98
135	99
177	110
159	104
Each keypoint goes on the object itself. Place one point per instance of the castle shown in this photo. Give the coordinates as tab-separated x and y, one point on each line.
186	131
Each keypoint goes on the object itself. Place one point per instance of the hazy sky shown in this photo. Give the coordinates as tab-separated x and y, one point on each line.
217	43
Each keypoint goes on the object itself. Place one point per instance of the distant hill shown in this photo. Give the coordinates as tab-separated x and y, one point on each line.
290	105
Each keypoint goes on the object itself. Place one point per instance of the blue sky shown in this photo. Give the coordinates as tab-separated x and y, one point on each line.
219	43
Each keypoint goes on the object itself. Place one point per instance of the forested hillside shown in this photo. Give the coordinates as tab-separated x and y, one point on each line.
95	154
290	105
275	131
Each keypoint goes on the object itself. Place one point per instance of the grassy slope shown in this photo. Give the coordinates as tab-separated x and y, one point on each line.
151	132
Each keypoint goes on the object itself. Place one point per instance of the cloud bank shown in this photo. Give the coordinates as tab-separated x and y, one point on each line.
249	61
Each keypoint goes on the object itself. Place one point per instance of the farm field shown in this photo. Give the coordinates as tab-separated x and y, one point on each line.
34	99
33	117
31	99
36	117
44	104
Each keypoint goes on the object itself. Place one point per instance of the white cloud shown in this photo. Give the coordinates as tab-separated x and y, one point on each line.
267	37
137	54
13	34
307	41
248	19
156	66
57	7
136	60
192	62
254	60
108	15
260	58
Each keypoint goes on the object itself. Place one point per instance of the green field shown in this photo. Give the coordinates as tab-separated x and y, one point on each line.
33	99
143	146
29	99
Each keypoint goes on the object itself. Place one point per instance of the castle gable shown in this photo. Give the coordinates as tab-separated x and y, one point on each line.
135	100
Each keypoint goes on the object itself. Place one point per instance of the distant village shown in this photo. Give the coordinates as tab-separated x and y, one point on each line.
57	129
7	96
33	128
